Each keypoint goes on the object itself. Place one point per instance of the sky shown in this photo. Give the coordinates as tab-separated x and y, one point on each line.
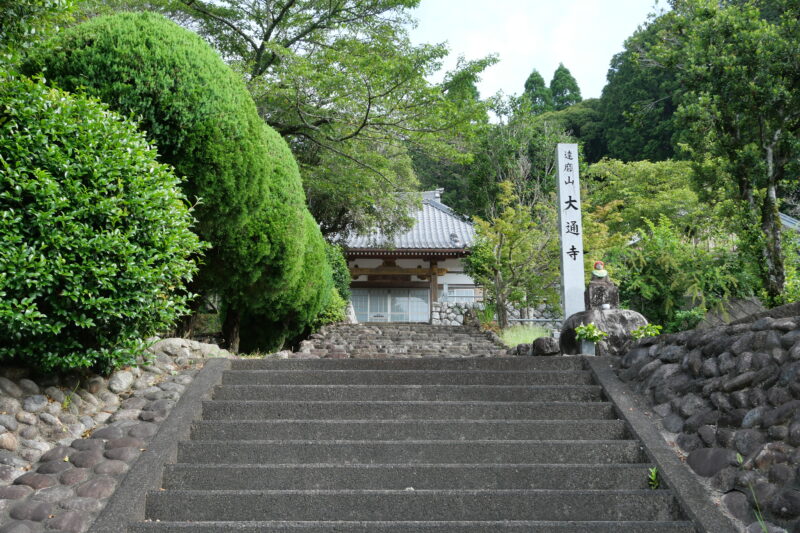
528	34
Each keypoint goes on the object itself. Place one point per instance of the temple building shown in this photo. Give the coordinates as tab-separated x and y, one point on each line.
398	280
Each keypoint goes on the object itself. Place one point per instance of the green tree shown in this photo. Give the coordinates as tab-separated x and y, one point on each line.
204	122
95	237
538	93
514	148
581	121
642	190
741	110
342	83
639	100
564	88
515	256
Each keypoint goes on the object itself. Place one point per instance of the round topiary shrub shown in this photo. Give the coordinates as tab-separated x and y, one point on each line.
95	236
203	121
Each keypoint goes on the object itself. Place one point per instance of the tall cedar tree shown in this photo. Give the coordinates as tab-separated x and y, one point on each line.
538	93
564	88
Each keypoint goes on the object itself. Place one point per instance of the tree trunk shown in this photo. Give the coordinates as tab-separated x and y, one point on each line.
500	301
230	330
774	273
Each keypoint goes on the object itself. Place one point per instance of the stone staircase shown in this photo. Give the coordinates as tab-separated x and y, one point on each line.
478	445
391	340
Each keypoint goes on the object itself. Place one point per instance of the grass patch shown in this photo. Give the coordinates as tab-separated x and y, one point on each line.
522	334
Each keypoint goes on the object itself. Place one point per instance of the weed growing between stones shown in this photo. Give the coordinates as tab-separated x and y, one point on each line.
653	480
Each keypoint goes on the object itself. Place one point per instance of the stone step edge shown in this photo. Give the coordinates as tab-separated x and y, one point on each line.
399	526
401	492
431	421
487	466
401	402
587	442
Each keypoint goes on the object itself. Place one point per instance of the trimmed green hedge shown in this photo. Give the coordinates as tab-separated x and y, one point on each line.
201	117
341	274
95	236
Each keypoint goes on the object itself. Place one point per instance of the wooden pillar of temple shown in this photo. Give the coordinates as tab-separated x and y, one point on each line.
434	285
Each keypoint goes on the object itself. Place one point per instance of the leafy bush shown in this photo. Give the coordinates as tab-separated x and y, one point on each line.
664	271
341	274
292	314
95	238
686	319
204	122
648	330
335	311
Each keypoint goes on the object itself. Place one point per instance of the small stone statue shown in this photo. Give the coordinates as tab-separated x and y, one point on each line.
602	293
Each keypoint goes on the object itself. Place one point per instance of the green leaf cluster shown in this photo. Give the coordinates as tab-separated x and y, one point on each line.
589	332
96	244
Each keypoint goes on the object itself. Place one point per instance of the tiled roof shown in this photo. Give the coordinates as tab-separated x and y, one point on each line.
789	222
437	227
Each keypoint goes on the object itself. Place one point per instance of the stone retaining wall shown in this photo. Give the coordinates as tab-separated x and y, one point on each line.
65	442
451	313
730	397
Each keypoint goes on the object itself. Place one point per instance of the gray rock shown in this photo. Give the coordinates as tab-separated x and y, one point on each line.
110	432
74	476
68	521
689	442
618	323
754	417
120	381
692	404
748	441
8	441
706	462
54	494
98	487
737	504
88	505
36	481
8	422
94	384
28	386
32	510
35	403
545	346
10	388
756	527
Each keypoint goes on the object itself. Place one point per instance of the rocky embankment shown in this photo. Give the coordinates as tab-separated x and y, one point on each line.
66	441
730	397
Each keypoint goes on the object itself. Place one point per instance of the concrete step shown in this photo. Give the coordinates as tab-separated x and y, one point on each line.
424	505
475	363
405	377
409	452
410	430
405	410
400	477
394	393
500	526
